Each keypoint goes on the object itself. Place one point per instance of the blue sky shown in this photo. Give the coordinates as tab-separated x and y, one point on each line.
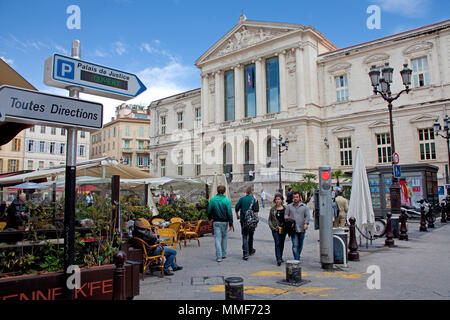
160	40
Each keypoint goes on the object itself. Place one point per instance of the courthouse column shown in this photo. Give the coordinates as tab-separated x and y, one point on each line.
260	86
238	92
219	101
283	82
300	79
205	98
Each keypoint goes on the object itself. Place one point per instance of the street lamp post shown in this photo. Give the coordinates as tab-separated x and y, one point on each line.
445	135
285	144
385	85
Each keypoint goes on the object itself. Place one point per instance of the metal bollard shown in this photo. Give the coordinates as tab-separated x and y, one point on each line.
119	276
353	244
234	288
403	230
423	223
430	219
443	214
293	271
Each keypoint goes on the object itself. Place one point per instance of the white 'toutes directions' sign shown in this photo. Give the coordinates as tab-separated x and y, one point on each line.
33	107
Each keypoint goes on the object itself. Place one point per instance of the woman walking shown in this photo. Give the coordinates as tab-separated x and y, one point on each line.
276	224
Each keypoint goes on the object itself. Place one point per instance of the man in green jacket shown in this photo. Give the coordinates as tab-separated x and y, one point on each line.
219	210
242	206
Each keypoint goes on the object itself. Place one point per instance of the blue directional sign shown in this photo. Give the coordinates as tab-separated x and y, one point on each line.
62	72
397	171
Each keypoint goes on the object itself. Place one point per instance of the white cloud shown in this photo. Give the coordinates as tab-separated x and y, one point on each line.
8	61
100	53
408	8
119	47
62	49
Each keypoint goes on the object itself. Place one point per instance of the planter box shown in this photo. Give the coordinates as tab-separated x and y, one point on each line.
206	226
96	284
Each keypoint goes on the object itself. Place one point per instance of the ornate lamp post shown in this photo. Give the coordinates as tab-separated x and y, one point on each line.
445	135
285	144
385	85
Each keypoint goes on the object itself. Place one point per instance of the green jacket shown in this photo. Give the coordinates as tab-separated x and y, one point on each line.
219	209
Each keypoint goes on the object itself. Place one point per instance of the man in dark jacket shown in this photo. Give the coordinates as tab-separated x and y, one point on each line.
289	196
242	206
219	210
142	230
16	212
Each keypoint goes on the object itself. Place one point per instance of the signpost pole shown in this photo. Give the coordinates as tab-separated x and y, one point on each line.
70	196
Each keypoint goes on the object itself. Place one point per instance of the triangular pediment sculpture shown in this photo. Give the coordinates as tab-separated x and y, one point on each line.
246	34
379	123
424	117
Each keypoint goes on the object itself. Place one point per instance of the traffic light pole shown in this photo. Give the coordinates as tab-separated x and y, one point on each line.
325	218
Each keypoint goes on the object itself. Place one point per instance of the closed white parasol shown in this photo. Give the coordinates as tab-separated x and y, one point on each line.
360	206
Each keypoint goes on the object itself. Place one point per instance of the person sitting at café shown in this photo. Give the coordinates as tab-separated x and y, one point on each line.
142	230
17	214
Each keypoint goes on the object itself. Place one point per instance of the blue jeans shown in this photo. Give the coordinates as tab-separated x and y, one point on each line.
169	254
297	244
220	237
247	240
263	202
279	244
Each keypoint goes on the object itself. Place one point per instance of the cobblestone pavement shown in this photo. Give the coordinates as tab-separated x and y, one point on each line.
414	269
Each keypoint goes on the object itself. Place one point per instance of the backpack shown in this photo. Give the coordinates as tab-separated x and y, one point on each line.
250	219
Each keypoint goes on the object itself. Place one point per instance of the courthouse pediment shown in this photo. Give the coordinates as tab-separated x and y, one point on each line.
246	34
378	124
424	118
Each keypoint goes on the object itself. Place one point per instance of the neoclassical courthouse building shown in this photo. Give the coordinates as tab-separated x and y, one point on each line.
265	79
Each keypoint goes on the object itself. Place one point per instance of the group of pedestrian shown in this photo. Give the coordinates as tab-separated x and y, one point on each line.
291	219
167	200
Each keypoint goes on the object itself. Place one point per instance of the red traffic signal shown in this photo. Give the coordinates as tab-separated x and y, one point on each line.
325	175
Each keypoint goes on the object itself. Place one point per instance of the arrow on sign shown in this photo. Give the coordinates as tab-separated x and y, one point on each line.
62	72
33	107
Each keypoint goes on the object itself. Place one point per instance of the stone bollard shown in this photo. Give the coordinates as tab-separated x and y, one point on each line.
389	233
430	219
119	276
423	223
293	271
403	229
443	214
353	244
234	288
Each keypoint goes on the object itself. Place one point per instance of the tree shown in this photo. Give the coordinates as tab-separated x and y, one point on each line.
336	175
306	186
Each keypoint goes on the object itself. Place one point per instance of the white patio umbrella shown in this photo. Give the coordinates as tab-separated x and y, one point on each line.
360	206
219	179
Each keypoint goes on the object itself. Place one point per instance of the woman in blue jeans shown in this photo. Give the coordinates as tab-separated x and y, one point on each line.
276	224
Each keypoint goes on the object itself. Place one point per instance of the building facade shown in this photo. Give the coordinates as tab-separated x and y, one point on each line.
12	155
263	80
125	138
45	147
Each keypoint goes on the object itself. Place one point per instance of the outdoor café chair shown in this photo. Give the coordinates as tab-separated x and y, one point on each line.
176	226
150	261
192	232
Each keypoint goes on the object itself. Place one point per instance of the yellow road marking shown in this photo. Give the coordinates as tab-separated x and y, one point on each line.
313	291
271	274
